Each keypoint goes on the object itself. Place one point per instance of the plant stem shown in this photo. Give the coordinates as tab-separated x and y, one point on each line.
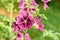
11	13
24	35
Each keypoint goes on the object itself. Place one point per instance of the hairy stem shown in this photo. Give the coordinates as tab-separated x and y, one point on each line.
11	11
24	35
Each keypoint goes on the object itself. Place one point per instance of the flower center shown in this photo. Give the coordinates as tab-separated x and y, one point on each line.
25	21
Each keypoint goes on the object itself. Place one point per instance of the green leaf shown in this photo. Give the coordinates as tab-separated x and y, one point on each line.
3	18
50	33
4	1
43	16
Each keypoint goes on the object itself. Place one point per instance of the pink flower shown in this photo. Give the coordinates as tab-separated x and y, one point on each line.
25	21
28	37
45	4
22	4
20	36
38	19
34	3
40	26
16	28
32	10
25	11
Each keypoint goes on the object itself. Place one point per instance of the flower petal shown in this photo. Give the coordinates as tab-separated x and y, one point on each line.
41	27
20	36
22	4
28	37
34	3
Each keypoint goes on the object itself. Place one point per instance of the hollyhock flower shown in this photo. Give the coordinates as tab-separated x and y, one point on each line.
25	21
23	11
34	3
46	1
45	4
20	36
32	10
40	26
38	19
16	28
22	4
28	37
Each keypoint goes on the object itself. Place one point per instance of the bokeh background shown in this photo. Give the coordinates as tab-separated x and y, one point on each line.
52	24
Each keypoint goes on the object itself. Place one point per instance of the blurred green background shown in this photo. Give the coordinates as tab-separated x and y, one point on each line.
52	23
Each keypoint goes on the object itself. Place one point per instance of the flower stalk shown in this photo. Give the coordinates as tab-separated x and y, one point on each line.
26	19
11	12
24	36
